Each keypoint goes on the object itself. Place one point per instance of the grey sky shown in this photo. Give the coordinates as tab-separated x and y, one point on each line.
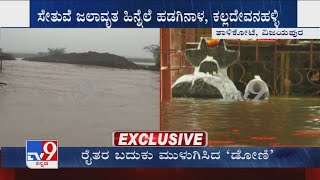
124	42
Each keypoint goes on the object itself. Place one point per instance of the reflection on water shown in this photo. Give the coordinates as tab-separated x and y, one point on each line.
78	105
274	122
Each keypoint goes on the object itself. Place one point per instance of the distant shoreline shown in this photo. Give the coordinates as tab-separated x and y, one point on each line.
97	59
7	56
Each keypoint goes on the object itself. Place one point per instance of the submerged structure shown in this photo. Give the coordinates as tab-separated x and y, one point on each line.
288	67
210	79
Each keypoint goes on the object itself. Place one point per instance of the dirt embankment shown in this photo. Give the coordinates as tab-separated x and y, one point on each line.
91	58
7	56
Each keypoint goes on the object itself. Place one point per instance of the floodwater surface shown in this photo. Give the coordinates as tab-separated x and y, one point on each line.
78	105
279	121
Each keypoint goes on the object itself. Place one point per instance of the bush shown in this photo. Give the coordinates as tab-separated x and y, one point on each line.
155	50
56	51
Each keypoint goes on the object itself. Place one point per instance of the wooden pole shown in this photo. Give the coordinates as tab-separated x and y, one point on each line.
282	70
287	78
0	59
165	73
311	55
275	68
257	50
0	53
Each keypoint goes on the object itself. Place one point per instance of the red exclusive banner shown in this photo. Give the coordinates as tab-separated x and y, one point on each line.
160	138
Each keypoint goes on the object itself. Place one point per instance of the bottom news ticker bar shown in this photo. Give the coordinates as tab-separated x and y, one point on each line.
141	157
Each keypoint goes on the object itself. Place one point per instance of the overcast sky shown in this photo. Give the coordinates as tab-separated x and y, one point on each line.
124	42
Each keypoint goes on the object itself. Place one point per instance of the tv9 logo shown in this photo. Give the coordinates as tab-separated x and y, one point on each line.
42	154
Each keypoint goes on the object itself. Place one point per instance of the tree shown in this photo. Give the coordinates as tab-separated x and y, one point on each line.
155	50
56	51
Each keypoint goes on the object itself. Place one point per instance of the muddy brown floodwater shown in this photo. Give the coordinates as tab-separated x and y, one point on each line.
78	105
273	122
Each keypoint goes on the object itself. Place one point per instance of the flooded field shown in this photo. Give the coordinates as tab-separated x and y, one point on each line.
78	105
